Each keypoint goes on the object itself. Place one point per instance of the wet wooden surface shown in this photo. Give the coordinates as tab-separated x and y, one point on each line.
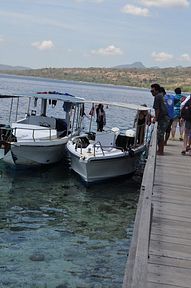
169	262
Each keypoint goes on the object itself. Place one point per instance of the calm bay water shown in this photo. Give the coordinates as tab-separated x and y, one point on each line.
54	231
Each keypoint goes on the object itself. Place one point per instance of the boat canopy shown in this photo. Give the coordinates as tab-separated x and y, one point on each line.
119	104
66	97
52	95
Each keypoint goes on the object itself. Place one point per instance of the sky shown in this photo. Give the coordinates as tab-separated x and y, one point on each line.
95	33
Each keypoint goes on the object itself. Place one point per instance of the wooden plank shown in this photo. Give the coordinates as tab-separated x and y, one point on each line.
178	179
169	188
169	208
172	211
167	249
160	285
168	229
173	232
169	239
166	215
176	199
169	261
171	276
171	222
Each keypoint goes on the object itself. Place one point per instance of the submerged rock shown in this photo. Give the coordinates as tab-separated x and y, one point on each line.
37	257
62	286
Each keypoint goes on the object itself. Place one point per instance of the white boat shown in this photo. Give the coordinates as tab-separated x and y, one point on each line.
40	137
98	156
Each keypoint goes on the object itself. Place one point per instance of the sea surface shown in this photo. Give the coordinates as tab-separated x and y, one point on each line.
54	231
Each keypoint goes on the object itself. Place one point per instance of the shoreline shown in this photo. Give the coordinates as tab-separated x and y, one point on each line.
133	78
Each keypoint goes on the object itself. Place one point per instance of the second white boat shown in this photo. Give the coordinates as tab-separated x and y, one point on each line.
98	156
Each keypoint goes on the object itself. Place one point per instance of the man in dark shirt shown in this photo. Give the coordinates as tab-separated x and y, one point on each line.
161	116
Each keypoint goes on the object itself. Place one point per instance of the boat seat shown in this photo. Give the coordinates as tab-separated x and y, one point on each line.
61	127
130	133
106	139
124	142
81	141
43	121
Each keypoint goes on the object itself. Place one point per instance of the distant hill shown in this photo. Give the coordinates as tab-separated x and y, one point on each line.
9	67
170	78
137	65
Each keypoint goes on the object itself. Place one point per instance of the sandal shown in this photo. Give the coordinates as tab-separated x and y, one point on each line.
183	152
187	148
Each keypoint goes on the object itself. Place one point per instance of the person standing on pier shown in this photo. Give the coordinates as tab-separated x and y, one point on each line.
185	109
169	102
161	116
179	98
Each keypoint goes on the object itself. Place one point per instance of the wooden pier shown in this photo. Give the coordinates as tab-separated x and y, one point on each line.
160	252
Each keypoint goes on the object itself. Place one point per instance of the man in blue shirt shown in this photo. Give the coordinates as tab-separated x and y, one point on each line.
177	102
169	102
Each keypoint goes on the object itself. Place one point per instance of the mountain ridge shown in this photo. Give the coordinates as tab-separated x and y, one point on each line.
138	65
10	67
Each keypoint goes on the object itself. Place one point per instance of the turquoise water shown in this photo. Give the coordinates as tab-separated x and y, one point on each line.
54	231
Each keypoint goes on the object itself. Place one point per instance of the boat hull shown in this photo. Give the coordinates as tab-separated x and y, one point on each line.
95	170
35	154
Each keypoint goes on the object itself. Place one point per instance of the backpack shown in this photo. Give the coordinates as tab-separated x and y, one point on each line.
169	102
186	111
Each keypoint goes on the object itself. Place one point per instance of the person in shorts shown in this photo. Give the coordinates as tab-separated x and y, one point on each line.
161	116
186	116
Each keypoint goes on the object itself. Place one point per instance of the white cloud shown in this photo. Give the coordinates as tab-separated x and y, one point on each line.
110	50
44	45
185	57
134	10
161	56
166	3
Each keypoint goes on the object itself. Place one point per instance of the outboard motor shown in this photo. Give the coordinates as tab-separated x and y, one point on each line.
6	134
